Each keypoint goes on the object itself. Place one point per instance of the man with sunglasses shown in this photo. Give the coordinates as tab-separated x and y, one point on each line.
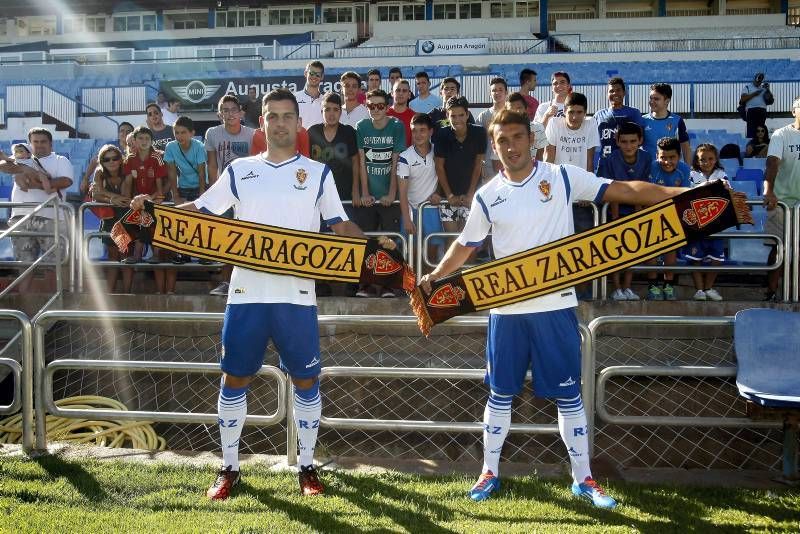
162	132
308	98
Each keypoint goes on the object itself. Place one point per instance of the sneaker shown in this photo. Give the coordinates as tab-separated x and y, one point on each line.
591	491
204	261
700	295
220	291
130	260
630	294
654	293
619	294
487	484
222	486
363	293
669	292
713	294
771	296
309	481
387	293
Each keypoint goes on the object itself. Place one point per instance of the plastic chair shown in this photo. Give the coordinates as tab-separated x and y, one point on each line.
750	174
749	187
755	163
731	166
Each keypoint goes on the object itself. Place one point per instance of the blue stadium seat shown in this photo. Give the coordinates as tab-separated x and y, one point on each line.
755	163
731	166
748	187
750	174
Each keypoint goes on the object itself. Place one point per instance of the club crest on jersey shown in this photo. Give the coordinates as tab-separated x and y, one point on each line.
382	263
544	188
141	217
301	176
703	211
447	296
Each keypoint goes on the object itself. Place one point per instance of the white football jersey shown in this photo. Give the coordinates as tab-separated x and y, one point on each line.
310	108
291	194
420	171
527	214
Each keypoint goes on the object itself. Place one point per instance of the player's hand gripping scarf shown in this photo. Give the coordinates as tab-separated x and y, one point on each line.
265	248
605	249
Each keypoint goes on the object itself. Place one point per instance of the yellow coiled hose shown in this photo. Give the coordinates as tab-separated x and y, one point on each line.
139	434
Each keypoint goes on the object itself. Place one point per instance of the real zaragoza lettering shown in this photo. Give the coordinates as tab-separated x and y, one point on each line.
266	248
582	257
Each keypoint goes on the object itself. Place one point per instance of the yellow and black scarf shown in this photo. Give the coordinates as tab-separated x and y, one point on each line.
265	248
582	257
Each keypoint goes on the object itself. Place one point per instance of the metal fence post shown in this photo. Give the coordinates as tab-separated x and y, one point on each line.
291	429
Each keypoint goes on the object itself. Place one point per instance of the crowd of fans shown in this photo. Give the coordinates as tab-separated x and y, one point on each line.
390	152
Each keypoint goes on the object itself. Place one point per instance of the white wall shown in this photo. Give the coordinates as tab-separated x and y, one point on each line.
455	28
17	128
669	23
102	128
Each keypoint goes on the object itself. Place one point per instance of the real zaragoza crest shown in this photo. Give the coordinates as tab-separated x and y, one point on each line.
301	175
544	188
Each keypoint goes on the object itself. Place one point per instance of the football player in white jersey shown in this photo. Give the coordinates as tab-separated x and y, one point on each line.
281	188
529	204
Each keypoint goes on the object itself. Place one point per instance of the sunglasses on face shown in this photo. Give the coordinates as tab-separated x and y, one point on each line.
379	107
315	74
110	159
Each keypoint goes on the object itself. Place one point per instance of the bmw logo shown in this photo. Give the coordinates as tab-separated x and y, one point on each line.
427	47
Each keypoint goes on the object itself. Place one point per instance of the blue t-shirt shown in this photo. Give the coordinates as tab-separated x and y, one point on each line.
680	177
608	120
186	162
654	129
616	168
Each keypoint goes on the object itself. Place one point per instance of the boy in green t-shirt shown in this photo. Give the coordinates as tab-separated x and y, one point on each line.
380	140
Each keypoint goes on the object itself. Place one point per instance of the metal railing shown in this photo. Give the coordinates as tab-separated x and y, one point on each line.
113	99
796	253
578	44
23	375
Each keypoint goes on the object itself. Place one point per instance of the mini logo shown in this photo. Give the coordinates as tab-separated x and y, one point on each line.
301	176
141	217
195	91
238	291
567	383
250	175
427	46
708	209
447	296
544	188
497	201
313	362
382	263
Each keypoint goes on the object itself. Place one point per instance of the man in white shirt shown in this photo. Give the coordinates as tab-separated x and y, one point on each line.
281	188
526	205
562	86
59	174
352	111
308	98
498	92
572	139
416	177
171	112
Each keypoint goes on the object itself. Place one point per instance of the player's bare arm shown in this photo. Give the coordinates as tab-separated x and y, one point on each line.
453	259
640	193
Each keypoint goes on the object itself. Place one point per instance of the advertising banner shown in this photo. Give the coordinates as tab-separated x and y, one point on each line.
452	47
204	93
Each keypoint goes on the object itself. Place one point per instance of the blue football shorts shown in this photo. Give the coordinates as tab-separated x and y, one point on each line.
705	249
548	343
248	328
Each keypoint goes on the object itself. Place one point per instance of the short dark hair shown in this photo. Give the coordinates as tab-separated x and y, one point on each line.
500	81
628	128
152	105
524	74
505	117
276	95
422	74
142	130
396	70
517	97
563	74
378	92
616	80
422	118
350	74
40	131
576	99
456	102
185	122
332	98
450	79
664	89
370	72
125	123
173	100
317	65
669	143
229	98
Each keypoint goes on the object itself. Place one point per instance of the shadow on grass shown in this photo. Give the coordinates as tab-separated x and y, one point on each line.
358	492
82	480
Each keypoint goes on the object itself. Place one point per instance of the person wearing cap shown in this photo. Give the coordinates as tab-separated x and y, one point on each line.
754	99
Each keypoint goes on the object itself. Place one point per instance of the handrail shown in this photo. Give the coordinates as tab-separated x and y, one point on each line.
24	383
16	399
796	253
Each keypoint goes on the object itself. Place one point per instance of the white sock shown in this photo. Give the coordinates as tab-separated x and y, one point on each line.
307	411
496	421
575	434
232	411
